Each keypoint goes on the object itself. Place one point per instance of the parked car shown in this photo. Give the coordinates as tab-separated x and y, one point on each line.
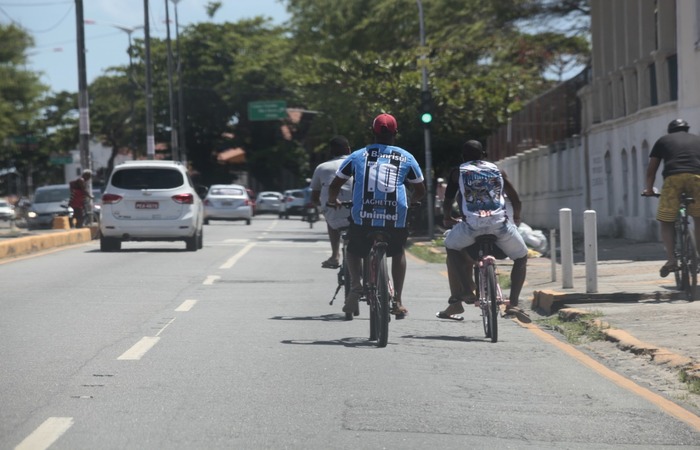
151	201
227	202
293	204
268	202
48	202
7	211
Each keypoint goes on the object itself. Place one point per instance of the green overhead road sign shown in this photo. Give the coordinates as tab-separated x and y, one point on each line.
267	110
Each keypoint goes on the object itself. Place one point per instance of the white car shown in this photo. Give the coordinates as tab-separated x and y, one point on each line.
151	201
227	202
7	211
268	202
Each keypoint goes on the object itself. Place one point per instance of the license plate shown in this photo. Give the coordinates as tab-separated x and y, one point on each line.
146	205
227	203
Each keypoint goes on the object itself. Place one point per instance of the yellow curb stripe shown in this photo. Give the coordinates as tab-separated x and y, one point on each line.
666	405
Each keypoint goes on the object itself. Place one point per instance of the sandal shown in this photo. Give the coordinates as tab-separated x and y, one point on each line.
399	311
517	312
668	268
330	264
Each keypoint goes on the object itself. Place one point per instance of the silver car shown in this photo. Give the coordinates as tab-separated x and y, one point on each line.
227	202
268	202
7	211
48	202
151	201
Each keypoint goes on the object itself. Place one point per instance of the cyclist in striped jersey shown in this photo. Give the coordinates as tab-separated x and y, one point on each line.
381	172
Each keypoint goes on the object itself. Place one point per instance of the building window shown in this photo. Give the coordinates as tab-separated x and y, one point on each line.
654	95
672	62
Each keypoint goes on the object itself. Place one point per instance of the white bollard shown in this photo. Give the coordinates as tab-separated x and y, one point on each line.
553	252
590	241
567	248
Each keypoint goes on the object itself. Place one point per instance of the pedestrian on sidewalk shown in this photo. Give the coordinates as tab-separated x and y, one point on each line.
79	193
680	153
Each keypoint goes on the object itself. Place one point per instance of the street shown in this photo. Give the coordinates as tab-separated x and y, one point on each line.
236	346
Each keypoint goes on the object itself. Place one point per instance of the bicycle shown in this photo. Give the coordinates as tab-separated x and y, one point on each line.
489	295
685	250
343	275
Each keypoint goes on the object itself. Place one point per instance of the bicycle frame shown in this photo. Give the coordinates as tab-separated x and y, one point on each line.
489	293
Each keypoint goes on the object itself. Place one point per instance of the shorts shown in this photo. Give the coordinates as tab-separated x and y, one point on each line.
669	201
462	235
337	218
360	242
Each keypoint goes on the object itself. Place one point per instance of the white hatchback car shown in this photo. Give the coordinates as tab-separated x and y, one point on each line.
227	202
150	201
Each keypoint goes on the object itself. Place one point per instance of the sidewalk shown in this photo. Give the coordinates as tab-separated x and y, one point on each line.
641	312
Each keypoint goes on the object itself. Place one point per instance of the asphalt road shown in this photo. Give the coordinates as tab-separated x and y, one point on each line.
236	346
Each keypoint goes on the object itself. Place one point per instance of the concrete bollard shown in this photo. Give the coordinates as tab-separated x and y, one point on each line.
590	239
567	248
553	252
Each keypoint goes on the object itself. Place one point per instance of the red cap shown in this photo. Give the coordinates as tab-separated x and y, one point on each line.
384	123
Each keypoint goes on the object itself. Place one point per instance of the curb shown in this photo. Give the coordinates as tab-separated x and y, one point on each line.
626	342
549	302
22	246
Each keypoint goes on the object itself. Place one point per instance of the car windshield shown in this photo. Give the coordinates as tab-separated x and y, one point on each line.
52	195
147	178
4	204
227	191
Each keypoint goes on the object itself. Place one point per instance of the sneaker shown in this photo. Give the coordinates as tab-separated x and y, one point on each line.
352	302
512	310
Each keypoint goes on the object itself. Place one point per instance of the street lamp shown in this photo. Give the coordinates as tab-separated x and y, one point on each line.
132	79
425	94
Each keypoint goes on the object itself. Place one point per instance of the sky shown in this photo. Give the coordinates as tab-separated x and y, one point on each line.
52	23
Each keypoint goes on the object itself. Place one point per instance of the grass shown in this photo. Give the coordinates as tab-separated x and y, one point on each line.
577	331
692	383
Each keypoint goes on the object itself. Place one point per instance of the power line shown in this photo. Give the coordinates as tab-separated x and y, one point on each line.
19	5
51	28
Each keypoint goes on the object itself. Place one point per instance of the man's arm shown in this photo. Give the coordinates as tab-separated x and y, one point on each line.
316	197
450	195
653	167
418	192
514	198
334	189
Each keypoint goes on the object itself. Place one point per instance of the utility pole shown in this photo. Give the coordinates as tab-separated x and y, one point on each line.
173	126
84	138
150	138
180	98
426	129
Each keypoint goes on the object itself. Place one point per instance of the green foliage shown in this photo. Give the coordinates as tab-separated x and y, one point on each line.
341	62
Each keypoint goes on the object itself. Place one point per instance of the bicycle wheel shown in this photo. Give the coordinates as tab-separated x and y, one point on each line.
483	305
383	300
690	267
491	300
370	292
678	250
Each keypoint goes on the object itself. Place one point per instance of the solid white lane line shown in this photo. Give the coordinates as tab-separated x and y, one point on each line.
210	280
232	260
46	434
186	306
139	349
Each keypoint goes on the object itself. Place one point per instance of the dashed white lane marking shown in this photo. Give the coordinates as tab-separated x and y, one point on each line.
139	349
186	306
232	260
210	280
46	434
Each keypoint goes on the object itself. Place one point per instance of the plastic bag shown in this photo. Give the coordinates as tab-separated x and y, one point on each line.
533	238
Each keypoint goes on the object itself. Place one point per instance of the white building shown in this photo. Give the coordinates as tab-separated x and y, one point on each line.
645	73
99	158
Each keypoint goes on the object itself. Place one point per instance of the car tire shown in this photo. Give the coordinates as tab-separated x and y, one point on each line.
110	244
247	221
192	243
206	222
200	239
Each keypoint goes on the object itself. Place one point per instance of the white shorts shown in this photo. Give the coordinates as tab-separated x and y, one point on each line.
509	240
337	218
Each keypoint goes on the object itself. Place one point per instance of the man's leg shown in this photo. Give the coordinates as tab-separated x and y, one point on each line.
517	279
353	297
334	237
696	229
668	235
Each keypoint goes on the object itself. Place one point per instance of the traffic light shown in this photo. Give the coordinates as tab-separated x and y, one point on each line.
426	109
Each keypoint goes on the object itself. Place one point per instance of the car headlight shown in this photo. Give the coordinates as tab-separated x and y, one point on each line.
31	214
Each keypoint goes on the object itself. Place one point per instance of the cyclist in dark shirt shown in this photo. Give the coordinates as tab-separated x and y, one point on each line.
380	202
680	153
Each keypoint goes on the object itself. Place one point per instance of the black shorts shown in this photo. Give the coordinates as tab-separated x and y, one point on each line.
361	242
